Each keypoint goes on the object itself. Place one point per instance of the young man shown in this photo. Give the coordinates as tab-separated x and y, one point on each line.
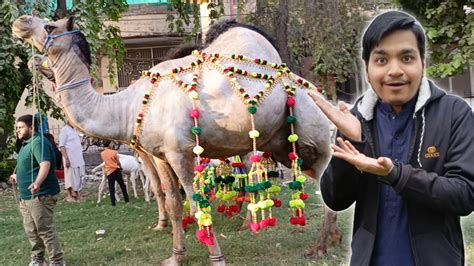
404	155
113	171
39	191
74	165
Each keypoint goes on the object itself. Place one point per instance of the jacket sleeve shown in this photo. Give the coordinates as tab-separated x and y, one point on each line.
340	183
453	191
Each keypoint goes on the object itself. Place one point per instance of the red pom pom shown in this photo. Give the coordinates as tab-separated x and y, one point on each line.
255	158
277	203
264	223
229	212
194	113
254	227
212	198
221	208
205	237
205	160
294	220
291	101
304	196
272	221
234	208
293	156
238	164
199	168
267	154
302	221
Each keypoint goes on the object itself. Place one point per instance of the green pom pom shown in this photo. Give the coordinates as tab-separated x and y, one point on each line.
197	197
291	119
252	109
229	179
273	174
299	161
295	185
293	138
267	184
204	204
218	179
251	188
196	130
206	190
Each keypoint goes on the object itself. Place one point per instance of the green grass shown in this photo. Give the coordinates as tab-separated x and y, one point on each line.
129	240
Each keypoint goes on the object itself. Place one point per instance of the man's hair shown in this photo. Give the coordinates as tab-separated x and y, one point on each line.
28	120
106	143
385	24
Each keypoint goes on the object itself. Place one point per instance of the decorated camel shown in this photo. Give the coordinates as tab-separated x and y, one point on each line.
208	103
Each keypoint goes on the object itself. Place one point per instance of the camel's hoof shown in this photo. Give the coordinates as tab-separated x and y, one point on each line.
315	253
160	226
172	261
217	260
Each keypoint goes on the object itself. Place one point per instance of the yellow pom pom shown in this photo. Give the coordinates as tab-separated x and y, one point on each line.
194	95
198	214
301	178
261	204
45	63
252	207
198	150
254	134
292	138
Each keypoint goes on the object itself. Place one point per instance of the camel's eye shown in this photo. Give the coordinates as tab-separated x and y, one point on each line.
49	28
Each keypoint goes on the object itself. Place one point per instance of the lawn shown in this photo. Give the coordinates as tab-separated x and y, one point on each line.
129	240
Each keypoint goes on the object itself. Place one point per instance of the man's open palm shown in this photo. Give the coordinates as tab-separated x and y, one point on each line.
340	116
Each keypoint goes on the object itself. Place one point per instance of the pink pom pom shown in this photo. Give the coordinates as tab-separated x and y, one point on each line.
254	227
291	101
199	168
255	158
293	155
194	113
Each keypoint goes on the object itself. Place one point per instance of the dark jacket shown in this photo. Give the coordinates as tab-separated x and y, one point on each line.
437	184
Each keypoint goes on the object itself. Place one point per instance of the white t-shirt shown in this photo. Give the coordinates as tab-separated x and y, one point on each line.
69	139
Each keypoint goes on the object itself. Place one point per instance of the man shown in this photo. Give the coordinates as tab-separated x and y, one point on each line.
74	165
39	191
113	171
404	155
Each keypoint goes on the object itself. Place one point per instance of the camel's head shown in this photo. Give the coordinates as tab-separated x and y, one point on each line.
53	38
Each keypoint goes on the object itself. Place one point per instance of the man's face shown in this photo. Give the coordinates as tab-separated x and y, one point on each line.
395	68
23	131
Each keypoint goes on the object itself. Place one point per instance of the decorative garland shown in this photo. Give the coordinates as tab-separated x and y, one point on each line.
258	185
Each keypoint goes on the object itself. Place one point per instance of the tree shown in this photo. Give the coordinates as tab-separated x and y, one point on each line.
449	26
14	74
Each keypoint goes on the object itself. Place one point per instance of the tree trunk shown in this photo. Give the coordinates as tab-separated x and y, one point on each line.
61	9
281	23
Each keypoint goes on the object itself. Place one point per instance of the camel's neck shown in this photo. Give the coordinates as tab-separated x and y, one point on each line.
104	116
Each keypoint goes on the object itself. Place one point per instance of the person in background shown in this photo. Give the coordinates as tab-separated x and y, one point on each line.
404	155
113	171
39	192
73	161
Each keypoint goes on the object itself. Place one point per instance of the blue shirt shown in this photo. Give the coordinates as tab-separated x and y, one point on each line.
392	240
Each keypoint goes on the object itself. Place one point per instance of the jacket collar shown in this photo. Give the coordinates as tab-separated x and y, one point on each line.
367	103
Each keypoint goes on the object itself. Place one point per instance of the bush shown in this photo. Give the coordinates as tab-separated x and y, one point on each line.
6	169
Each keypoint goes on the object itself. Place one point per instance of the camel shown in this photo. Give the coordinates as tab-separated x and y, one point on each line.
164	139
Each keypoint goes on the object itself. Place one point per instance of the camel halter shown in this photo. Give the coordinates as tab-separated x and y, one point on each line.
49	40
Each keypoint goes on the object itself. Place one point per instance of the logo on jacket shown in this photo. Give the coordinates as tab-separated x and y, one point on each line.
431	152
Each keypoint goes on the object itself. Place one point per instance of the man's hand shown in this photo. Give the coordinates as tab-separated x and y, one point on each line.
13	179
34	188
341	116
346	151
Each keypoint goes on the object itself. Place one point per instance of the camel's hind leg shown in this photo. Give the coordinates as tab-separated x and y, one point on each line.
329	231
183	167
174	208
150	171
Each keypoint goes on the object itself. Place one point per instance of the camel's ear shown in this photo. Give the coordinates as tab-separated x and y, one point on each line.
70	23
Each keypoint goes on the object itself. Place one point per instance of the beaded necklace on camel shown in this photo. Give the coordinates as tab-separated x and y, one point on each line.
258	186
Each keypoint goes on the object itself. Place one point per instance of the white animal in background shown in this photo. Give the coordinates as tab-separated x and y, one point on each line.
132	168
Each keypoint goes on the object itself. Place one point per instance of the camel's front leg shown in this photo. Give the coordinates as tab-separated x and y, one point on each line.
183	167
145	184
174	207
133	179
101	187
153	179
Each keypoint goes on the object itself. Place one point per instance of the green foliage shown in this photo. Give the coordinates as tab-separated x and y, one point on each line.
6	169
450	34
104	39
180	17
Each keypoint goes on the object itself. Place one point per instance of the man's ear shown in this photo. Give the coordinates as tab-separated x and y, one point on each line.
70	23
